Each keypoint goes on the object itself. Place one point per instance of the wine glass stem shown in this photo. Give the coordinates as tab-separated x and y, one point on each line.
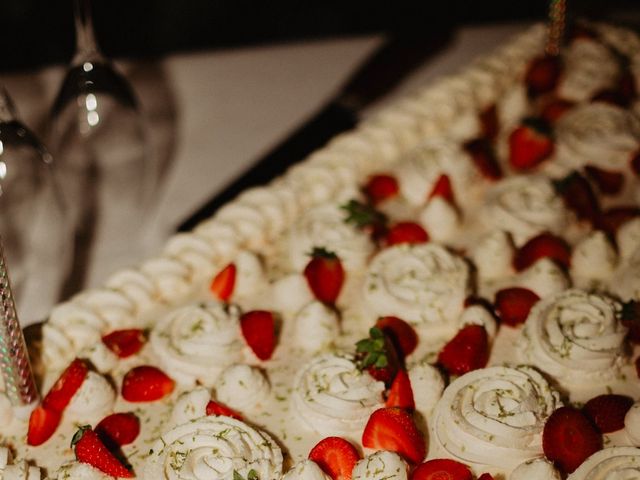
86	45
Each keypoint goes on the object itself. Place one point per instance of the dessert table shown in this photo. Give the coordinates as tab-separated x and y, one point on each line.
211	113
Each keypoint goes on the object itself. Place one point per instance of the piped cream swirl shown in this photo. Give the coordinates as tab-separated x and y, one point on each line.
616	463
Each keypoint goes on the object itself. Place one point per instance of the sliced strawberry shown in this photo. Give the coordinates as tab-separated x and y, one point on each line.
481	152
485	476
381	187
612	219
467	351
215	408
635	164
42	425
443	469
569	438
224	282
403	336
401	394
543	74
513	305
66	386
406	232
325	275
259	331
146	384
609	182
125	343
607	412
443	188
394	429
118	429
545	245
630	318
377	355
530	144
489	122
578	196
90	449
336	457
555	109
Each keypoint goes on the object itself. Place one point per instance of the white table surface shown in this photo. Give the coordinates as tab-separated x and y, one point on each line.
212	113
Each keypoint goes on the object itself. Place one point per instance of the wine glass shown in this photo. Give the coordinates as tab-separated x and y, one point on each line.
33	223
99	141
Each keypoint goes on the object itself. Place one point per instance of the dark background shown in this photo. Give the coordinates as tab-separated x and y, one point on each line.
34	33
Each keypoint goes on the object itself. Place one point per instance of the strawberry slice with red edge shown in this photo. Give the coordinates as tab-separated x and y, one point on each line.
146	384
125	343
554	109
513	305
467	351
569	438
483	157
489	122
630	318
325	275
394	429
543	74
609	182
442	188
377	355
381	187
406	232
403	336
118	429
42	425
400	393
224	282
216	408
336	457
607	411
578	196
530	144
443	469
613	218
66	386
544	245
90	450
259	331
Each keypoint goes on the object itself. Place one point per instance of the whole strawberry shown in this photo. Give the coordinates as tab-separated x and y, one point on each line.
607	412
543	74
381	187
325	275
90	449
530	144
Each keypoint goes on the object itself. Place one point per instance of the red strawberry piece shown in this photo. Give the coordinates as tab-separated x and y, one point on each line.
627	86
513	305
403	336
336	457
569	438
394	429
530	144
146	384
543	74
377	355
42	425
483	157
612	96
90	449
66	386
125	343
215	408
406	232
442	188
489	122
325	275
401	394
612	219
381	187
609	182
467	351
635	163
545	245
485	476
578	196
223	283
259	331
443	469
607	412
630	318
554	109
118	429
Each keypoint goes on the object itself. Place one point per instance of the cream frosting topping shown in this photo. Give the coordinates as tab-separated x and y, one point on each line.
190	405
20	470
6	409
242	387
625	282
381	464
75	470
250	277
615	463
427	386
494	416
493	255
536	469
479	315
628	238
290	293
632	424
306	470
544	277
440	219
213	447
316	326
593	259
93	400
331	396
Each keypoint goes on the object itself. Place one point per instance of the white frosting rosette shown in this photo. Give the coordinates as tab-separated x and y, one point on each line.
625	282
524	206
545	277
213	447
316	326
615	463
628	238
196	342
325	226
190	405
93	400
381	465
424	284
575	336
306	470
331	396
494	416
427	386
536	469
593	260
493	255
441	219
242	387
19	470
